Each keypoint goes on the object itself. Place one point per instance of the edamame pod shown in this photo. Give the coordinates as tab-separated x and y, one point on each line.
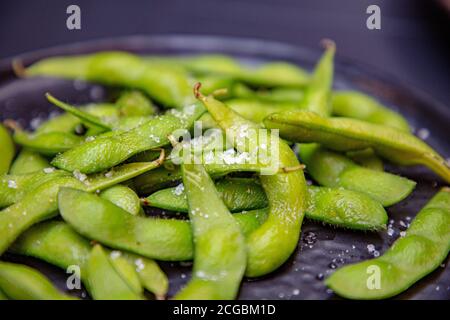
14	187
335	206
332	169
165	84
344	134
220	252
105	152
271	244
317	95
27	162
7	150
423	248
238	194
48	143
57	243
163	177
104	280
161	239
124	198
21	282
354	104
20	216
77	112
135	103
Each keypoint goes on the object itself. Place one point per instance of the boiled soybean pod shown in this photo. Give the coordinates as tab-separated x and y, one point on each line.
7	150
105	152
334	206
105	282
124	197
423	248
344	134
270	245
332	169
57	243
357	105
167	85
220	255
84	116
161	239
317	95
21	282
21	215
28	161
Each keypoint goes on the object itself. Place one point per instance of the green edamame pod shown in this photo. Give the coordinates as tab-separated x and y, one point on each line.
163	177
162	239
107	151
275	95
8	150
423	248
48	143
167	85
57	243
238	194
24	283
3	296
271	244
27	162
20	216
317	95
331	169
104	280
15	187
61	123
335	206
354	104
344	134
267	75
123	197
135	103
220	252
153	238
35	206
82	115
256	111
54	242
367	159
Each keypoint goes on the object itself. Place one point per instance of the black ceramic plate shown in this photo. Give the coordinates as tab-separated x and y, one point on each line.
322	249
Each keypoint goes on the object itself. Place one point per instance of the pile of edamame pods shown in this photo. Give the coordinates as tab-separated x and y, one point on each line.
73	191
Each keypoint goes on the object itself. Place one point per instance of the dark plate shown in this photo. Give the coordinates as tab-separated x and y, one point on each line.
321	248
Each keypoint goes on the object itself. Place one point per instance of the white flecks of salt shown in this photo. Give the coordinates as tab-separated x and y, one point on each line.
80	176
423	133
370	248
35	123
178	191
115	254
49	170
89	138
155	138
109	174
139	264
402	234
12	184
183	276
390	232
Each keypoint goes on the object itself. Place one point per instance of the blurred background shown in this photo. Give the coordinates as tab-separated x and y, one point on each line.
413	43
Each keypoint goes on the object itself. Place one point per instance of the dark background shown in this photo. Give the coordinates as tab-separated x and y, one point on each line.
412	45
